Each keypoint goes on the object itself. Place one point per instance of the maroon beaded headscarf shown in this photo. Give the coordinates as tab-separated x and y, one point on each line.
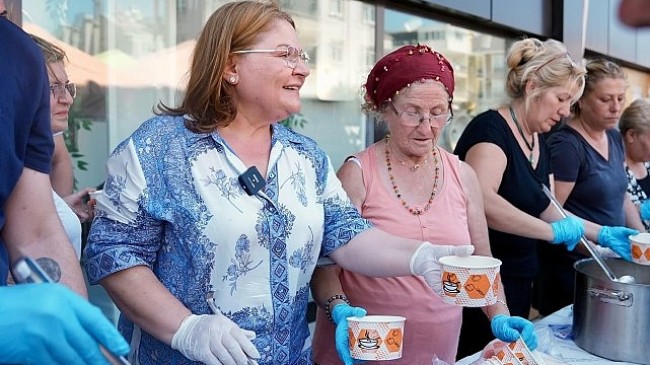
404	66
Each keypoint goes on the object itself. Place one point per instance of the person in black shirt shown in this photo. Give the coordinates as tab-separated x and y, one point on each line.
507	150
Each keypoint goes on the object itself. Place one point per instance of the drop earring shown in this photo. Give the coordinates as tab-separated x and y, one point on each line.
232	79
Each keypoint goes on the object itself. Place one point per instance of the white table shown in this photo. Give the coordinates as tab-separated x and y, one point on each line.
564	350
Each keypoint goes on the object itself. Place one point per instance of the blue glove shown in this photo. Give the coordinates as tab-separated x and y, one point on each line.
508	329
342	339
645	210
618	239
568	231
49	324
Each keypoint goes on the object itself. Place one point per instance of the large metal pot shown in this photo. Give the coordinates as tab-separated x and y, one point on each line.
612	319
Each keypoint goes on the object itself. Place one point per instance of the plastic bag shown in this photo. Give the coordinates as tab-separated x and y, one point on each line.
437	361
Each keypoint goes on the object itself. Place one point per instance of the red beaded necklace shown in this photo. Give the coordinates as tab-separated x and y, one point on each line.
434	190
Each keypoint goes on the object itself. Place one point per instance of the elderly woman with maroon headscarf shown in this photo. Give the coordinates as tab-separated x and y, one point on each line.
408	186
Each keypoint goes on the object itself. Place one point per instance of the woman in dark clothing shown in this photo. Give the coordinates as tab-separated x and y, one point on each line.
507	150
588	163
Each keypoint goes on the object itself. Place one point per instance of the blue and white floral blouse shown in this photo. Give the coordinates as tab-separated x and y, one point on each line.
172	202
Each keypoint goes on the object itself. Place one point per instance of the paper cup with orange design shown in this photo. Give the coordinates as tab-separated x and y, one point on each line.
509	353
522	352
500	353
640	248
376	337
470	281
507	357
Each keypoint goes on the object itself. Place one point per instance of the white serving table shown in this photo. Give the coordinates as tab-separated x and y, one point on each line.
562	350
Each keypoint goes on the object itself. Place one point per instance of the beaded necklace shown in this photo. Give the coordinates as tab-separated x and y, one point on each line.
530	146
434	191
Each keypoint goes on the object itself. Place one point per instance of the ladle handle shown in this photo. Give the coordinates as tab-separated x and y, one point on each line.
583	240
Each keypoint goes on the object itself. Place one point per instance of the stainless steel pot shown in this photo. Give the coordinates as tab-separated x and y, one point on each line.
612	319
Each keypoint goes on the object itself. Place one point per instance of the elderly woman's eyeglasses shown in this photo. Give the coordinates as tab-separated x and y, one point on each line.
290	54
413	118
58	90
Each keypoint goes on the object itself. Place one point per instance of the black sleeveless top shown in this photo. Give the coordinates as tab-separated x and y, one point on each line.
520	185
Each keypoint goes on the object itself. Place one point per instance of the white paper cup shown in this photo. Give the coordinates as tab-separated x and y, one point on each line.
376	337
640	248
470	281
522	352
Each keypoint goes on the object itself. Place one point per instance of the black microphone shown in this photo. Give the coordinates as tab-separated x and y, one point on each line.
251	181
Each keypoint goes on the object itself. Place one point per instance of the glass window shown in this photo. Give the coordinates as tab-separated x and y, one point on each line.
368	14
477	58
336	8
330	97
126	55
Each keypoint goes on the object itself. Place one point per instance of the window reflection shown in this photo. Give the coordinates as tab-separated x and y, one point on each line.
126	55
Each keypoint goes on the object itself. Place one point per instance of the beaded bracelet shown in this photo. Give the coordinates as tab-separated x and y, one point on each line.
330	300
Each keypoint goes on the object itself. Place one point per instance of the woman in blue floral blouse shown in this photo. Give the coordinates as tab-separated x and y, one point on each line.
174	226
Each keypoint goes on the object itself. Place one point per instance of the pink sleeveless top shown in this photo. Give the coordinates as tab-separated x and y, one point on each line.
432	326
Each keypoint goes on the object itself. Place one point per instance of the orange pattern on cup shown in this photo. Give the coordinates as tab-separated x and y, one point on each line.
394	340
474	285
640	248
376	337
636	251
477	286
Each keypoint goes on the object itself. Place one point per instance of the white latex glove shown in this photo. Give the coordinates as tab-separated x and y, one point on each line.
424	262
214	340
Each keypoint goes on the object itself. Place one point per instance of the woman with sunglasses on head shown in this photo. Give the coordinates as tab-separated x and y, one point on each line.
213	215
410	187
588	160
72	207
506	148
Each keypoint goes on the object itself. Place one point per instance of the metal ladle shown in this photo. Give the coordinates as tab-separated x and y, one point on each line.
626	279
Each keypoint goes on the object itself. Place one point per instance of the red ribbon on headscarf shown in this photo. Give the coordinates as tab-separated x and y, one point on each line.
405	66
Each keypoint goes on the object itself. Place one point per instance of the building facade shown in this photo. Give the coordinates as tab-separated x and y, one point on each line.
127	55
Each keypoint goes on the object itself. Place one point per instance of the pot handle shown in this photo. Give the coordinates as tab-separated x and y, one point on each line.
615	297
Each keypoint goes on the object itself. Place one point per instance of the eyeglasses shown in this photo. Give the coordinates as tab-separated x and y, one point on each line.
290	54
58	90
414	118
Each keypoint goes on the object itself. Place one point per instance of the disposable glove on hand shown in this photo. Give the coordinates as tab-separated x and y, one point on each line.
617	238
508	329
568	231
214	340
339	314
424	262
645	210
50	324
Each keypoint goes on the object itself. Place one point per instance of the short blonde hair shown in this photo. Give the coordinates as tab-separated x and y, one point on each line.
547	64
636	117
